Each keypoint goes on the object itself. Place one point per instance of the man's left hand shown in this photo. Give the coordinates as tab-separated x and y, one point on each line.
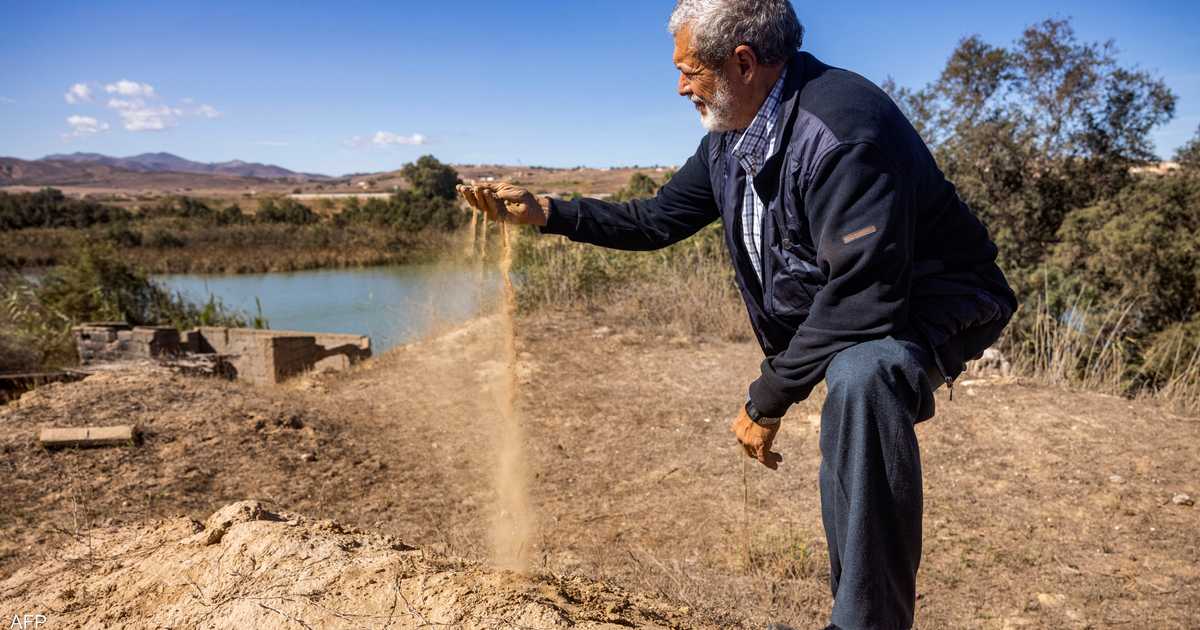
756	439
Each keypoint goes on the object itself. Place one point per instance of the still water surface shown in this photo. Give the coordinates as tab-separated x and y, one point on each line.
392	305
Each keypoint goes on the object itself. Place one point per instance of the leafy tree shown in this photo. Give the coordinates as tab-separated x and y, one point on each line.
430	178
640	186
1032	131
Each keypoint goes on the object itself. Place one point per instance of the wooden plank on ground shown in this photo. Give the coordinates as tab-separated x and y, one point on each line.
53	437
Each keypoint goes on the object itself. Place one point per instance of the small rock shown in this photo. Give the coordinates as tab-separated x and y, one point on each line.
308	457
1051	600
1116	479
602	331
1182	499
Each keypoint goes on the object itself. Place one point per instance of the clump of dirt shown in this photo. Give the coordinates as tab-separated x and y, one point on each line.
249	567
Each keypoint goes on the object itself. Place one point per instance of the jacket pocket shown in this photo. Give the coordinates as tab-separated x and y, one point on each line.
792	284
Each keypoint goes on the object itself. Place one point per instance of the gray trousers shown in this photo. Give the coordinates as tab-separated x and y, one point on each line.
871	479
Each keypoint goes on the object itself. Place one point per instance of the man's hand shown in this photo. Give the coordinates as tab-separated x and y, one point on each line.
505	202
756	439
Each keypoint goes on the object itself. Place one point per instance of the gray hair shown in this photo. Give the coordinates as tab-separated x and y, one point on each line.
769	27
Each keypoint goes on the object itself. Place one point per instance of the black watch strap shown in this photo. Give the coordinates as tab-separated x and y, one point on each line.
757	416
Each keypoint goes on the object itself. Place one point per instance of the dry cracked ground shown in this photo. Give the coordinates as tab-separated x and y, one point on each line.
1045	508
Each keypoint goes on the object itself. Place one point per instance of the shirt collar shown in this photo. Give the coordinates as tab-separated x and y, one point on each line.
754	143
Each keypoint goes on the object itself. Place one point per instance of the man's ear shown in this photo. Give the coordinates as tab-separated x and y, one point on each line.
746	61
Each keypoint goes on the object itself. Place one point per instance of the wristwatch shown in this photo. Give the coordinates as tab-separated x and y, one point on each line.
757	416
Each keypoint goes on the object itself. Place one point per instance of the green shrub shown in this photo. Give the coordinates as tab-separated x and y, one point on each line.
94	285
284	210
121	235
1141	245
640	186
49	208
163	239
406	211
1189	154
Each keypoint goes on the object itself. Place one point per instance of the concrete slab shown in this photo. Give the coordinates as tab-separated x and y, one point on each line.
56	437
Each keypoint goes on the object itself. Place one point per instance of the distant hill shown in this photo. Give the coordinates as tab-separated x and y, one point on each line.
170	163
96	174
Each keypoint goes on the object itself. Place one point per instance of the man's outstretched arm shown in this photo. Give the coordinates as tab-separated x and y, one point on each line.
682	206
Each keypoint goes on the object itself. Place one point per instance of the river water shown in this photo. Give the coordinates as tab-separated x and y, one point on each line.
392	305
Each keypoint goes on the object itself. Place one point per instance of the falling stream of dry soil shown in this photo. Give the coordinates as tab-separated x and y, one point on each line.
512	520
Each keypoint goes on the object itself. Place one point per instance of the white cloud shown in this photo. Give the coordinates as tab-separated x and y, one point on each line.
125	87
385	138
206	111
139	105
4	100
271	143
85	126
138	115
78	93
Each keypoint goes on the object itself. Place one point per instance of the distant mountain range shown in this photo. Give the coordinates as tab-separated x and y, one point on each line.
170	163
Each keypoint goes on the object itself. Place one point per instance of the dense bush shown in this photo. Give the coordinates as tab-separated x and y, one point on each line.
640	186
96	286
430	203
182	207
1141	245
1189	154
284	210
49	207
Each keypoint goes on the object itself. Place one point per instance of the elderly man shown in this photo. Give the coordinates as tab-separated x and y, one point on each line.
858	263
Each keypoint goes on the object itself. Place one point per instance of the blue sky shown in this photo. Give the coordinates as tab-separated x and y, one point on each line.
351	86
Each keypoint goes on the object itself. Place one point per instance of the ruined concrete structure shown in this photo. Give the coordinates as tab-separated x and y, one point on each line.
270	356
115	341
258	356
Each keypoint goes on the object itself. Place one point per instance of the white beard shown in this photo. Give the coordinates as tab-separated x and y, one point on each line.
718	111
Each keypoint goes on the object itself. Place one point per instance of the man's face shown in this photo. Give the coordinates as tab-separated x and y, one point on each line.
706	88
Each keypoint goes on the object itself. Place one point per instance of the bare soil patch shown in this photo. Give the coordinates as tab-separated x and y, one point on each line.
247	567
1044	507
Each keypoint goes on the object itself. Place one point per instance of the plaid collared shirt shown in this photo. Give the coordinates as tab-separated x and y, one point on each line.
752	150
